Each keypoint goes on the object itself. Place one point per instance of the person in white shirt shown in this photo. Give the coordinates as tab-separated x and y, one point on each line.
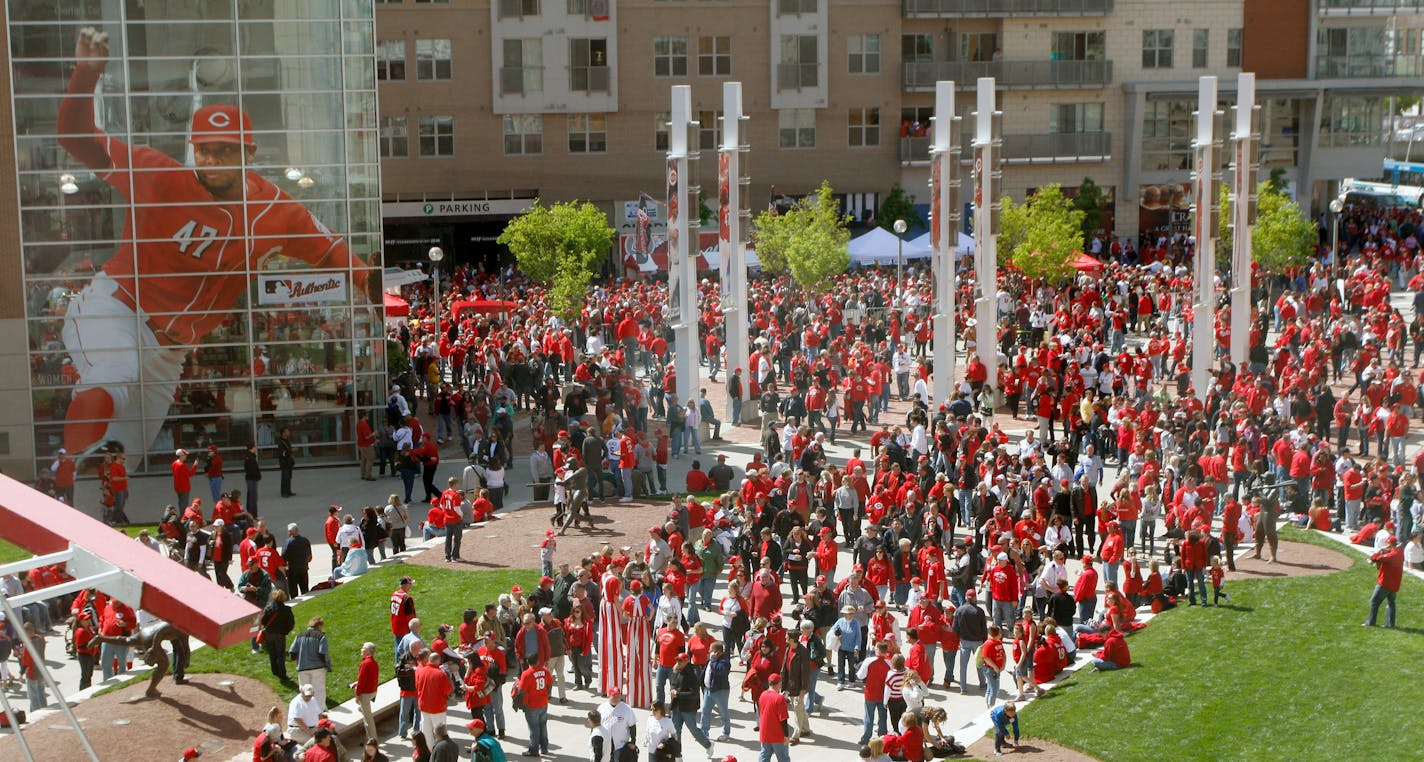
1414	552
657	728
303	713
618	718
600	741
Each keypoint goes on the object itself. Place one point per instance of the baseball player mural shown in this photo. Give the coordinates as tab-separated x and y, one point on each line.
207	229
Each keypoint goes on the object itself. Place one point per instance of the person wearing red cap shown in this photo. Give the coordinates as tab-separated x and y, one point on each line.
772	711
186	224
486	741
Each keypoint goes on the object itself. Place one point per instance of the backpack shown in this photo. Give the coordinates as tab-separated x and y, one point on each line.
481	753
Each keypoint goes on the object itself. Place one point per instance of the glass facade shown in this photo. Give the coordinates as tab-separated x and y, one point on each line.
200	222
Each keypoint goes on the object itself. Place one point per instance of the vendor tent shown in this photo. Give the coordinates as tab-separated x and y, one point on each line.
396	306
1087	263
880	246
965	244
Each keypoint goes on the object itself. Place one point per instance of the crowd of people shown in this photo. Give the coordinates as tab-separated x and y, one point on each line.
949	551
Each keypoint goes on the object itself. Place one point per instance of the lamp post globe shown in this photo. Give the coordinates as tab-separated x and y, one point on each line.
900	228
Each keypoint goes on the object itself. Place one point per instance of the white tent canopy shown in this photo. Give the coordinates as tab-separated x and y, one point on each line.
713	255
965	243
880	246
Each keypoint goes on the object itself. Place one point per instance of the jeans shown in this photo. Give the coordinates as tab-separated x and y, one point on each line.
705	589
108	655
432	531
627	482
845	667
690	440
1105	665
689	719
720	700
990	677
35	689
1003	615
1086	609
875	716
453	536
1381	595
949	654
781	751
661	675
215	486
252	497
1129	531
286	481
407	476
86	670
1110	572
1196	580
538	721
967	649
736	411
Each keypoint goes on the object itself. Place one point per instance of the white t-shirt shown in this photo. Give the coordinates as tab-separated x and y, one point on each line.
307	710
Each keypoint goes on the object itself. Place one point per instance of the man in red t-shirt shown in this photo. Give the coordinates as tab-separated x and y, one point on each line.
671	641
772	711
432	693
534	687
874	671
1390	562
402	610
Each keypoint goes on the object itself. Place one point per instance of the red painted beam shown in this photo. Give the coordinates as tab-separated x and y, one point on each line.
171	592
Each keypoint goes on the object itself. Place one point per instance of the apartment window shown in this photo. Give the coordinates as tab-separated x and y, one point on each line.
578	7
1352	120
864	127
1233	47
588	64
864	53
1078	46
662	127
797	127
670	56
588	133
513	9
978	46
714	56
437	136
798	62
1157	48
917	48
395	140
709	130
796	7
523	69
1166	134
390	60
1201	47
432	59
1075	117
523	135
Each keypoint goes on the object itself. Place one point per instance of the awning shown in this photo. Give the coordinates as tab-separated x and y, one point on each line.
396	306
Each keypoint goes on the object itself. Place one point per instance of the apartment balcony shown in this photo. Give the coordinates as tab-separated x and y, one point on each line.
795	76
1017	75
1353	7
1368	66
589	79
946	9
1046	148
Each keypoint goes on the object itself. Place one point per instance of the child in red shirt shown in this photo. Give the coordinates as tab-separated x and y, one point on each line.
1218	575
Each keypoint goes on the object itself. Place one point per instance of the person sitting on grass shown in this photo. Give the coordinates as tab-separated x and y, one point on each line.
697	480
1114	653
1004	716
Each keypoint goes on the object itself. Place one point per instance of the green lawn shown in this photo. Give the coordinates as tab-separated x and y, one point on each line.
1285	673
10	553
360	612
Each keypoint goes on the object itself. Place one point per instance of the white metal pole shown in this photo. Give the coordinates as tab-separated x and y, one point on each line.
730	241
682	262
1244	180
944	234
1204	283
986	238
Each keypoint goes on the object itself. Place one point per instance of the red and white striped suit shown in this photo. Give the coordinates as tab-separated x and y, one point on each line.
638	610
610	635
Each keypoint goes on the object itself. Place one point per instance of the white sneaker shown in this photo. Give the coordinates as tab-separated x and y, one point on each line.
711	754
625	499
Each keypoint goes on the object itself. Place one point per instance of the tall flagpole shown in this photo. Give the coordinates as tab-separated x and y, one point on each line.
986	225
1204	180
944	234
1243	214
682	253
731	240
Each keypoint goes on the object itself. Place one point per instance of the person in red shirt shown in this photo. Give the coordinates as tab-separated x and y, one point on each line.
534	687
432	692
1114	653
366	450
994	659
697	480
402	610
330	528
368	678
452	518
670	641
184	466
85	647
772	712
1390	563
874	671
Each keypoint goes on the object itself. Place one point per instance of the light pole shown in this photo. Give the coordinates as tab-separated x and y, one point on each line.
1337	205
436	254
900	228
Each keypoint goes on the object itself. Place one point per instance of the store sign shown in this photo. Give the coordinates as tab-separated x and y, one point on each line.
499	207
301	288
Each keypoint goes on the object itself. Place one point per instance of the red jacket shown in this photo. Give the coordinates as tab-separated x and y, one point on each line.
368	676
1115	649
1391	568
432	689
1086	586
521	647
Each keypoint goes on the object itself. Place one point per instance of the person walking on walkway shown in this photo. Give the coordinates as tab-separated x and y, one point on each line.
1390	562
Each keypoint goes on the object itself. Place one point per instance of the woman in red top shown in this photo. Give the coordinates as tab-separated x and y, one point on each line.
910	744
994	659
878	572
578	636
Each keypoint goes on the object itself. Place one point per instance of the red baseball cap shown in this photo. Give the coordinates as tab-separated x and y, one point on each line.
222	123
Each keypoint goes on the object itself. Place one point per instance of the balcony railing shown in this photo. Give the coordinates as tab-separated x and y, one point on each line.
795	76
588	79
1005	8
1030	75
1356	7
1363	66
1048	148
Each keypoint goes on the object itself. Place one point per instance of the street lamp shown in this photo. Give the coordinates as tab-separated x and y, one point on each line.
436	254
1337	205
900	228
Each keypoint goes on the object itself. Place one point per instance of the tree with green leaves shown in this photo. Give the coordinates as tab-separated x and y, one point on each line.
1042	236
809	240
898	205
1282	237
560	246
1092	202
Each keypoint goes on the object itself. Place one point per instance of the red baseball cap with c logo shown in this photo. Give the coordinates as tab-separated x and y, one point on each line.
222	123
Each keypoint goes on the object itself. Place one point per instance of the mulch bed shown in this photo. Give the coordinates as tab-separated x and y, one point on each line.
1036	749
1295	559
512	541
125	725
